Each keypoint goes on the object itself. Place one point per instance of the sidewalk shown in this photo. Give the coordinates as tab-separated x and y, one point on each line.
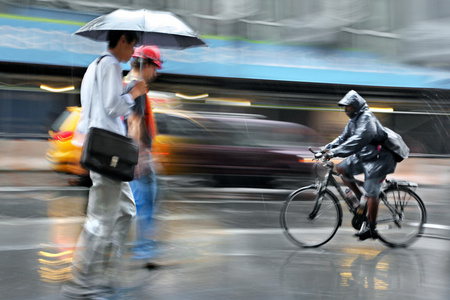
23	155
29	155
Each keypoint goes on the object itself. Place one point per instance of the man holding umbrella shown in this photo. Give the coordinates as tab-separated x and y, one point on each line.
111	206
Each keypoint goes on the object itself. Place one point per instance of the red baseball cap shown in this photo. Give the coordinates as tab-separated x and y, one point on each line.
149	52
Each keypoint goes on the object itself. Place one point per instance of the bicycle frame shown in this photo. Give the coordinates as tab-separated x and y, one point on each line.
329	179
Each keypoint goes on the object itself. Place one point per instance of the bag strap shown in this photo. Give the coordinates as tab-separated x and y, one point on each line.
95	82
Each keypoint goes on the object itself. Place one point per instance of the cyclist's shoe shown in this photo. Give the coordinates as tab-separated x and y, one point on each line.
368	232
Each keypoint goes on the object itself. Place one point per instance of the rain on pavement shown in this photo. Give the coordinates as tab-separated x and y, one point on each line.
218	243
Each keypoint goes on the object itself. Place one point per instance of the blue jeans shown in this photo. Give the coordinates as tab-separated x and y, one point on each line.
144	192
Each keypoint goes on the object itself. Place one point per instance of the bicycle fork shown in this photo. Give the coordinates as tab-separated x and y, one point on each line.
321	187
317	204
319	199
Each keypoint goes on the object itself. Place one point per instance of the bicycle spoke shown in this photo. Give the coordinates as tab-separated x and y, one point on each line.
386	219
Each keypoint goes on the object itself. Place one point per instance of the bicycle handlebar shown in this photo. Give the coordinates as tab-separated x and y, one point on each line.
319	155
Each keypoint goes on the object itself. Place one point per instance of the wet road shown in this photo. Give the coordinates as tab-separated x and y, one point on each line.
219	244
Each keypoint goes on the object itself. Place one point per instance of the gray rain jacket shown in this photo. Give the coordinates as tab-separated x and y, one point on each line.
360	138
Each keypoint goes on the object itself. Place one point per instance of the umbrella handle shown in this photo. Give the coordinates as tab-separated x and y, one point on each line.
141	64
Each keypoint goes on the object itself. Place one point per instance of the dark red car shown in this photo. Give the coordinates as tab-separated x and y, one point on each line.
233	149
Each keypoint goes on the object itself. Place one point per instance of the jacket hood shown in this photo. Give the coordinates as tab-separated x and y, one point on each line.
353	98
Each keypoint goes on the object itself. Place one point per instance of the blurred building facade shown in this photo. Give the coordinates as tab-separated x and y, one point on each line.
291	59
413	31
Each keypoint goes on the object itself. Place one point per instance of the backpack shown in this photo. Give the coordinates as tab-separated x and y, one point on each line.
395	143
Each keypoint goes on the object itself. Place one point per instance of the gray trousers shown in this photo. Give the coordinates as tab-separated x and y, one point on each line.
110	212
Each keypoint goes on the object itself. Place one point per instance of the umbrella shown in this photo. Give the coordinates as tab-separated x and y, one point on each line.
160	28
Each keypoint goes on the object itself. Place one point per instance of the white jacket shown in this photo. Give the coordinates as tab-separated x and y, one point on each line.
102	102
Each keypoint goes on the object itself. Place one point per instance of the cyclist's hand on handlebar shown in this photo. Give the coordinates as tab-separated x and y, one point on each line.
325	153
322	153
328	155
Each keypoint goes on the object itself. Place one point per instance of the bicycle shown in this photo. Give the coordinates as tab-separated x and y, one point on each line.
312	214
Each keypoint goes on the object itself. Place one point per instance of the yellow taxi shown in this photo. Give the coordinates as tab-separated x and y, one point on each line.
62	155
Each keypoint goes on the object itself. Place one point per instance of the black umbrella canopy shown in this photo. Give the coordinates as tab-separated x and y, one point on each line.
160	28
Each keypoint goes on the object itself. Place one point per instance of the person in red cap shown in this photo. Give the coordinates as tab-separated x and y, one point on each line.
146	60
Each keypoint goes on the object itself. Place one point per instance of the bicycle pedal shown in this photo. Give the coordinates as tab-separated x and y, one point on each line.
357	222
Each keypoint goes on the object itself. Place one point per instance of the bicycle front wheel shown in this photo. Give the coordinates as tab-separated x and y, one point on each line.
400	220
310	220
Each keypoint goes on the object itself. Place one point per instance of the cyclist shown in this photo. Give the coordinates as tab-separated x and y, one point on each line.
360	144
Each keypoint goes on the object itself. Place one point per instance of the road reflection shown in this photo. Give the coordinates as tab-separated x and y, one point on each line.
67	215
382	270
359	272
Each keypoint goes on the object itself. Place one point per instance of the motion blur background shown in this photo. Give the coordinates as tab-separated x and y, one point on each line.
270	62
287	60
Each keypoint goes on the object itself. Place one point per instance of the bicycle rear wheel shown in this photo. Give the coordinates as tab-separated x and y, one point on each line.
400	219
306	224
